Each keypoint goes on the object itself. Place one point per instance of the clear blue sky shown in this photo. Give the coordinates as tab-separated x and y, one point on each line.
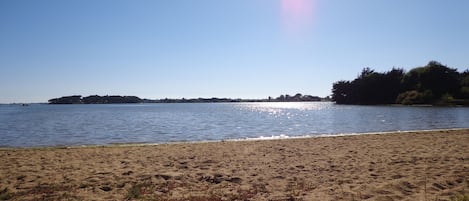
217	48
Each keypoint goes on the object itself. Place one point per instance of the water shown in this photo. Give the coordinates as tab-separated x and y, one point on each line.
53	125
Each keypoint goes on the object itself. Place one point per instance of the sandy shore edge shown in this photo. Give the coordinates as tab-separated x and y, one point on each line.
262	138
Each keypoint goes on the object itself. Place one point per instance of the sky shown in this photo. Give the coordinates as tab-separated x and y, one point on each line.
211	48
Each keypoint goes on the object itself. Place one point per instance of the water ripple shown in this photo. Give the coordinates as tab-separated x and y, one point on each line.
48	125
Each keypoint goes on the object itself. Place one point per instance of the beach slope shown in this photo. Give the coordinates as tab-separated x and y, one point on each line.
426	165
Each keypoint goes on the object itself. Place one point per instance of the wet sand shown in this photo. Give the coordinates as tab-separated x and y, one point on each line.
398	166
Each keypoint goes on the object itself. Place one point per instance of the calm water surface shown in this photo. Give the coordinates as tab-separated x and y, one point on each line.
50	125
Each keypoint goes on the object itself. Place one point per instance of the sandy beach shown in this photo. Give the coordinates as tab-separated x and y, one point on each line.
425	165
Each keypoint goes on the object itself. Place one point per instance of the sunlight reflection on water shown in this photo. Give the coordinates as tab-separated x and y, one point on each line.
288	109
268	106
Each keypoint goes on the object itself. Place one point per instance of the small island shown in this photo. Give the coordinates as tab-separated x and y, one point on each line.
95	99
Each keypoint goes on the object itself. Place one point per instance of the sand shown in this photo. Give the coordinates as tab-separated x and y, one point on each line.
397	166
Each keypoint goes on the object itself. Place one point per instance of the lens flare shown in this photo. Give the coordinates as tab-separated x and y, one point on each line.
297	15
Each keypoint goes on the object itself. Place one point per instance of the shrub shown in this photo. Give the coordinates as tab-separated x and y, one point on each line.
414	97
5	194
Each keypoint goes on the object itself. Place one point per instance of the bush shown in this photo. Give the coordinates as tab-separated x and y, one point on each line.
414	97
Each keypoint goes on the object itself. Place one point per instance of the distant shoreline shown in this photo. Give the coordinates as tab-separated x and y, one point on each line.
95	99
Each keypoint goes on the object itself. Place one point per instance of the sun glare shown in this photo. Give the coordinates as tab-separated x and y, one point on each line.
297	15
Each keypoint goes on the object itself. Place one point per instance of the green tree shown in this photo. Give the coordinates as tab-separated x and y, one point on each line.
431	84
342	92
433	80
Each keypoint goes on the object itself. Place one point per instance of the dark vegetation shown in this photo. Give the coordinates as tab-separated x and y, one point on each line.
95	99
433	84
296	97
282	98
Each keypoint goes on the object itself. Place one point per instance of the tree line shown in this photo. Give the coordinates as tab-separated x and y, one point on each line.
434	84
95	99
282	98
296	98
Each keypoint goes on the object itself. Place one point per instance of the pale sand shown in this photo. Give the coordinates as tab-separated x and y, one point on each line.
400	166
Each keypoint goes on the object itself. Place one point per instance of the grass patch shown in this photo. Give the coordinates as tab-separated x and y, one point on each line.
41	192
199	198
464	197
163	192
48	189
134	192
5	194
